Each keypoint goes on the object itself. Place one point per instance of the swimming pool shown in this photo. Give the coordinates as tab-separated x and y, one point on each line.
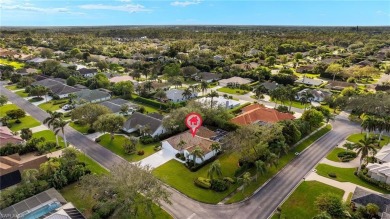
42	210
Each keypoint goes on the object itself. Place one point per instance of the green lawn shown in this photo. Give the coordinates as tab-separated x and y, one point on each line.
116	146
229	90
358	136
181	178
333	154
91	164
301	203
21	93
7	107
12	87
49	136
26	122
16	65
345	175
49	105
283	161
148	109
80	128
308	75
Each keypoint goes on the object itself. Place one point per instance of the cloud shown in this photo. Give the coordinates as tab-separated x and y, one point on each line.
29	7
131	8
124	0
382	13
185	3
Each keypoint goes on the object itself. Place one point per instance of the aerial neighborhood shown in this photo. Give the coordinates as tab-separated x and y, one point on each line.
93	122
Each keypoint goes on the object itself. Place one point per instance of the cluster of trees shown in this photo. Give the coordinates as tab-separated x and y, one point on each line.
56	172
14	114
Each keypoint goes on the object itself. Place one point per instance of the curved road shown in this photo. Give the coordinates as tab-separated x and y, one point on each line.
261	205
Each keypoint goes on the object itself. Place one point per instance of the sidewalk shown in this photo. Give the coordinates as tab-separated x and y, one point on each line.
351	164
346	186
39	128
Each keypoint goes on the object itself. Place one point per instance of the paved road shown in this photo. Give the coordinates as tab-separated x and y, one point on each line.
260	206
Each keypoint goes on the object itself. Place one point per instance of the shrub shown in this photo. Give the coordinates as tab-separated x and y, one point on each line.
151	102
229	180
140	153
18	121
202	183
333	175
283	109
91	130
346	156
219	185
177	155
241	170
97	140
147	139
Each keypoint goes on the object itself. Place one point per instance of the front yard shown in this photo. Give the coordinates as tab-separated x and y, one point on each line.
83	129
49	136
359	136
116	146
176	175
345	175
301	203
21	93
26	122
7	107
229	90
12	87
53	105
333	154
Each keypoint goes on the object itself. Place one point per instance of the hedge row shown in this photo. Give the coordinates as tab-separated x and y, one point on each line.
151	103
237	109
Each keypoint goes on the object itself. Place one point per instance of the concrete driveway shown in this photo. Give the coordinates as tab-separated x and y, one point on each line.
157	159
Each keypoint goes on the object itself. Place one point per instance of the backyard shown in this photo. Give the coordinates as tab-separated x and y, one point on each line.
116	146
229	90
181	178
301	203
345	175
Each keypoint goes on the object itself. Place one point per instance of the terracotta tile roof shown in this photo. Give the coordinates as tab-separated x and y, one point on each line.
256	112
204	132
192	142
6	136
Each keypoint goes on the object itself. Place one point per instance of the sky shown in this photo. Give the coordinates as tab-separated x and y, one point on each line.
193	12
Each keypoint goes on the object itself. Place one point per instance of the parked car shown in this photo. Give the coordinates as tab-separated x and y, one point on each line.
67	107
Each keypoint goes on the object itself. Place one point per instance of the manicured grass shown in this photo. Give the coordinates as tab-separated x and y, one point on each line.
116	146
7	107
301	203
333	154
358	136
80	128
300	147
181	178
345	175
16	65
26	122
308	75
12	87
295	104
148	109
49	136
21	93
229	90
92	165
283	161
50	106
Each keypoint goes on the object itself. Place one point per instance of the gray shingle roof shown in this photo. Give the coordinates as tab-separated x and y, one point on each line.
115	104
55	86
91	95
153	120
363	197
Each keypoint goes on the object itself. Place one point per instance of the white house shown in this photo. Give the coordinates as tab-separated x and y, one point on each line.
379	172
176	95
186	144
219	101
152	121
318	95
383	155
88	72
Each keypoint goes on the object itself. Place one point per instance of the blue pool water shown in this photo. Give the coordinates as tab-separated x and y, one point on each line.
42	211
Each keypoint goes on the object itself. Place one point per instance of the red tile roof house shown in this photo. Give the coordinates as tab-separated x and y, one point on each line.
6	136
201	139
257	113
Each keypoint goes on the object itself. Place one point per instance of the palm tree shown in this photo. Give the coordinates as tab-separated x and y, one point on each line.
271	159
290	94
364	147
369	124
215	147
306	97
212	95
194	88
181	145
259	91
260	168
197	153
215	169
148	85
279	147
30	175
49	167
246	179
51	120
204	86
187	94
72	97
60	125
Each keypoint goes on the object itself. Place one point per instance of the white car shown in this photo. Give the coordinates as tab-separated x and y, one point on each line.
67	107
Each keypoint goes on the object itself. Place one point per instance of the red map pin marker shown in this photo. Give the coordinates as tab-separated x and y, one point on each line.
193	122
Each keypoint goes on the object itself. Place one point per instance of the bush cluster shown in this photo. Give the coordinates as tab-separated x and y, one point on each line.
151	103
346	156
203	182
147	139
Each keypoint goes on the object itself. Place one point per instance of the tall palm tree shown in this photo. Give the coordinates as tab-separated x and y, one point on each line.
52	119
148	85
215	169
369	124
30	175
204	86
215	147
246	179
259	91
197	153
212	95
271	159
49	167
194	88
279	147
306	97
260	168
364	147
181	145
187	93
290	94
60	125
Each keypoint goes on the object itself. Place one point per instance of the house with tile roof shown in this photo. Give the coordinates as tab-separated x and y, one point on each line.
186	143
257	113
6	136
153	121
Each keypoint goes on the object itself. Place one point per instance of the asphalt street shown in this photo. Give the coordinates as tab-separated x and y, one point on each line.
261	205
